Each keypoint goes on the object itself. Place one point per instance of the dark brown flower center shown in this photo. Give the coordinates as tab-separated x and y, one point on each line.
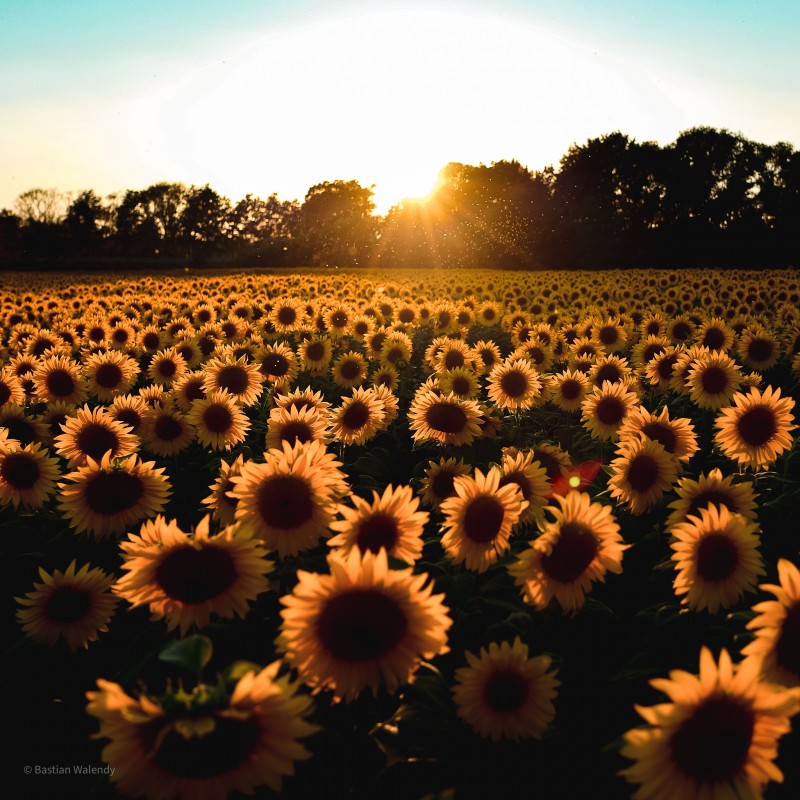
575	549
339	319
519	478
193	389
377	531
483	518
350	369
610	411
108	376
166	368
19	471
453	359
714	338
129	417
294	432
681	331
361	625
717	557
315	351
643	472
711	746
662	434
19	429
446	417
461	386
60	383
285	502
608	372
705	499
218	418
274	364
194	576
714	380
356	415
651	351
66	605
151	340
760	350
286	315
95	440
443	484
757	426
506	691
109	493
609	334
666	366
167	428
787	647
514	384
551	464
570	389
394	354
5	393
234	379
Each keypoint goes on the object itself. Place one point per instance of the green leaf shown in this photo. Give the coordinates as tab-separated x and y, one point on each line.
194	652
236	671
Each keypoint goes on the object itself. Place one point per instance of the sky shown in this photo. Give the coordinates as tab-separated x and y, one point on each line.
263	96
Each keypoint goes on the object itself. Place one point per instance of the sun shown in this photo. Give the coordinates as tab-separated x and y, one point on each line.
411	186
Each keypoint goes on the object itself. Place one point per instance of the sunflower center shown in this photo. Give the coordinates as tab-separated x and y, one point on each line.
446	417
610	410
234	379
643	472
714	380
218	418
108	376
167	428
717	557
575	549
662	434
339	319
376	531
712	744
483	518
506	691
406	315
514	383
461	386
193	389
151	340
666	366
19	429
110	493
285	502
787	647
274	364
19	471
129	417
5	393
550	463
361	625
356	415
443	484
227	747
350	369
760	350
570	389
453	359
167	368
194	576
487	356
757	426
609	334
707	498
714	339
95	440
315	351
394	355
608	372
286	315
296	432
67	605
519	478
681	331
60	383
651	351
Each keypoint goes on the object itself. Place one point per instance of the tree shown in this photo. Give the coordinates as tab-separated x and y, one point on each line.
148	221
87	224
40	206
203	221
264	229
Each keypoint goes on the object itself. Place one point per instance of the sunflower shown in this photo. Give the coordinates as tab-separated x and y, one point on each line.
757	428
479	518
717	739
606	408
513	385
439	482
220	501
11	390
716	556
166	367
362	626
110	374
485	356
659	370
611	368
461	381
641	473
612	334
713	379
92	433
165	431
449	354
219	422
59	378
530	476
676	436
338	320
187	389
184	578
574	551
447	419
777	628
28	474
570	389
196	746
739	498
505	694
296	425
75	605
349	370
277	363
391	521
359	417
758	348
242	380
105	498
715	335
290	500
647	349
386	375
302	398
53	417
129	410
287	315
396	349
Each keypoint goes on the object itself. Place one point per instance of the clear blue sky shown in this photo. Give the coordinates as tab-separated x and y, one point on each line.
274	96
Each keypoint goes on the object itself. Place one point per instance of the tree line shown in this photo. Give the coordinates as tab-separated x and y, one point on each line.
711	198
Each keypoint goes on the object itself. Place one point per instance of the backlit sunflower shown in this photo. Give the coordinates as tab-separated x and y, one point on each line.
166	367
396	348
11	390
757	428
220	501
479	518
391	521
716	556
513	385
449	419
363	626
287	315
59	378
184	578
296	425
242	380
641	473
105	498
315	354
75	605
386	375
758	348
359	417
574	551
717	739
289	500
713	380
570	389
611	368
676	436
302	398
28	474
128	409
461	381
277	363
218	420
606	408
110	374
693	495
777	628
165	431
659	370
92	433
530	476
349	370
505	694
198	748
715	335
439	482
485	356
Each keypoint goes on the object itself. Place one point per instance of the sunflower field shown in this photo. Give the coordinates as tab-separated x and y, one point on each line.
402	535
